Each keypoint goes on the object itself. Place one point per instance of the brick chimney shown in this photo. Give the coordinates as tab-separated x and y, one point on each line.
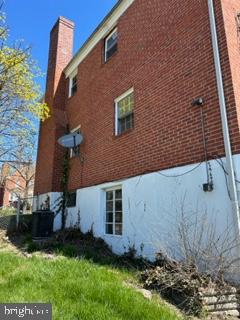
50	154
60	53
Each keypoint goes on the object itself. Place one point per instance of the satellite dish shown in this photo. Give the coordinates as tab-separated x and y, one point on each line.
71	140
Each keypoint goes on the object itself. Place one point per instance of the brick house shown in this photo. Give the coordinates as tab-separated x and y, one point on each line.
155	92
14	183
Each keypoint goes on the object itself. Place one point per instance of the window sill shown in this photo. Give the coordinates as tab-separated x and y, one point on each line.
109	59
124	133
113	235
70	98
73	158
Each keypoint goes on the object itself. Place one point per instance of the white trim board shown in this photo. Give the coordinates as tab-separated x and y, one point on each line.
106	26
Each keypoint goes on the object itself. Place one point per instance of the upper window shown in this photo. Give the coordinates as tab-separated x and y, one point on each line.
75	152
114	215
124	112
111	44
72	85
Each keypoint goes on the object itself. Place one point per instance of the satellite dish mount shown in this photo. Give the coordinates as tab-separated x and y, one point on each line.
71	140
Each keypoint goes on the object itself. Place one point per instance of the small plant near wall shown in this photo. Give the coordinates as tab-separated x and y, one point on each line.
194	272
60	206
64	185
7	212
77	226
131	252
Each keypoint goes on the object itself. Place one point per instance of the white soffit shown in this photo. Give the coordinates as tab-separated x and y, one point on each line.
104	28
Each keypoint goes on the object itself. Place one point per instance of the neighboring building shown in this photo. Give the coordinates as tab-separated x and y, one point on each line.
16	182
150	144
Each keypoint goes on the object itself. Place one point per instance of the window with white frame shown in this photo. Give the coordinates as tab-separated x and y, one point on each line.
111	44
114	213
124	112
72	85
75	152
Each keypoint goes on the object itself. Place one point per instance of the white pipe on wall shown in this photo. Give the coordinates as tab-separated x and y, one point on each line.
225	128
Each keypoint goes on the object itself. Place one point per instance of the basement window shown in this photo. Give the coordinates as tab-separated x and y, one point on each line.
111	44
124	112
114	214
72	197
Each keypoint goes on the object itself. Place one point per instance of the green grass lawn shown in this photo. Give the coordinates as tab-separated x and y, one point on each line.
77	289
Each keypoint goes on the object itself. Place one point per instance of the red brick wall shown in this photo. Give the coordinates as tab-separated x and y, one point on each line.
165	53
230	11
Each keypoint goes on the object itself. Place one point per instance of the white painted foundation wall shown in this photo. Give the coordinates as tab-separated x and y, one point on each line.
151	206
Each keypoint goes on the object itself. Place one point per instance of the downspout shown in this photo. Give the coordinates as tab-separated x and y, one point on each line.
225	128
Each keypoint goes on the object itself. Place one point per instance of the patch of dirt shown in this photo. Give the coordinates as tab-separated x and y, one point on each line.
5	243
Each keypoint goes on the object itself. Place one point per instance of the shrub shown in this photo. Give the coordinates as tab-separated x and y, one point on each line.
4	212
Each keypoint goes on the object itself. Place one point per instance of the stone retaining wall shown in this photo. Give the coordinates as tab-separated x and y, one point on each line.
225	302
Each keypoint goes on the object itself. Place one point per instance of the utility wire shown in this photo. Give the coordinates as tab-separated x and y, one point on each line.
180	175
226	178
220	162
205	143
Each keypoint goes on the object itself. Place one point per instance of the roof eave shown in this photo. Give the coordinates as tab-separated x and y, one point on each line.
103	28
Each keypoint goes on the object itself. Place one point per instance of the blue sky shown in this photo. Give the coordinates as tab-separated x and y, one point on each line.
32	21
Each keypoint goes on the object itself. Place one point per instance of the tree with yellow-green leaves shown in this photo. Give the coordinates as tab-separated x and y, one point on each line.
20	95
